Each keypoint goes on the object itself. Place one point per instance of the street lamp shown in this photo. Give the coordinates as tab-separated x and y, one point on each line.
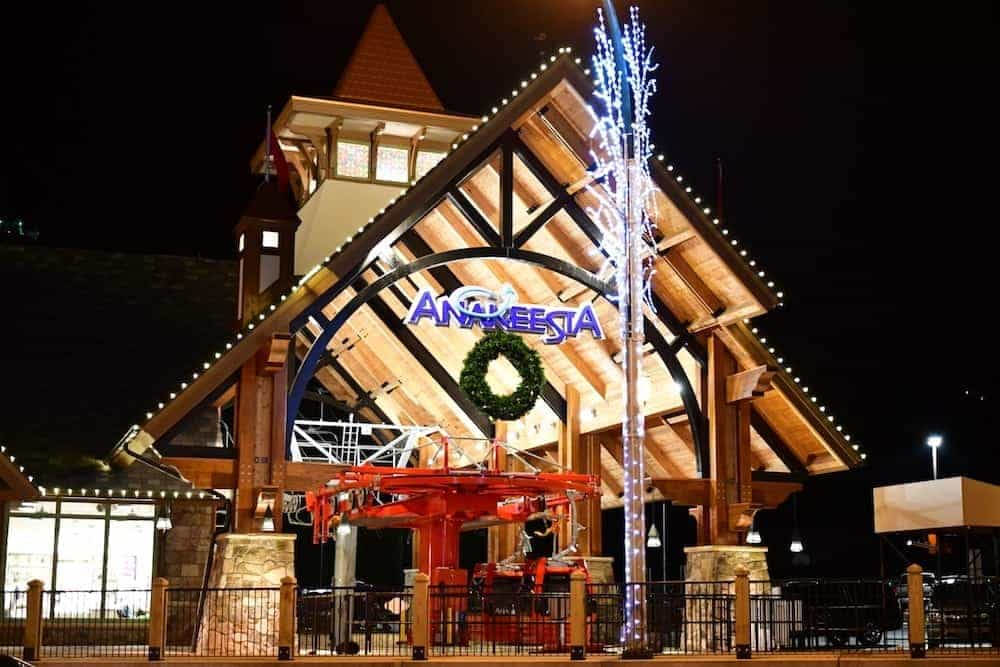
934	441
753	535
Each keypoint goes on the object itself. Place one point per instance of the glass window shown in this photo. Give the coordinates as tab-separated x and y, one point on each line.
270	239
30	543
392	164
352	159
35	507
426	161
81	556
130	557
270	271
82	509
134	510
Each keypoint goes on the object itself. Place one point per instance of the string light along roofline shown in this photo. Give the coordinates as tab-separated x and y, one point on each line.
562	54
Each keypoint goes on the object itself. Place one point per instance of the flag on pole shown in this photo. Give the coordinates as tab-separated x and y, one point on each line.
274	159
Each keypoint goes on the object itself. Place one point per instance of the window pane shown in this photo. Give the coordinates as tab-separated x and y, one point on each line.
270	239
392	164
352	159
130	558
87	509
426	161
35	507
136	510
81	559
29	551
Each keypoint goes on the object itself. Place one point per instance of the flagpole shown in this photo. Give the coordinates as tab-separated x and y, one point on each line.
267	142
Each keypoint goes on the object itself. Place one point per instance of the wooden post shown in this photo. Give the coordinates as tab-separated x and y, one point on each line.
915	590
33	622
286	618
742	612
420	607
157	618
577	615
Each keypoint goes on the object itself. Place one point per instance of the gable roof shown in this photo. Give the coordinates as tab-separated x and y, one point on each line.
707	260
382	69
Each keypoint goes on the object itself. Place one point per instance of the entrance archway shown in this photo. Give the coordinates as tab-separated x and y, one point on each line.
668	353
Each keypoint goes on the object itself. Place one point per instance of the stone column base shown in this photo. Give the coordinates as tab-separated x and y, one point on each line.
710	605
245	622
601	568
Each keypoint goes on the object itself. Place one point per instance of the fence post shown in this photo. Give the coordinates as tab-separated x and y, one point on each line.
32	641
420	607
286	618
157	618
915	591
741	610
577	615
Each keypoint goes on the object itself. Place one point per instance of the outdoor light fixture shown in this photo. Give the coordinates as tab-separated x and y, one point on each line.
753	535
163	522
796	546
934	441
267	525
343	528
653	540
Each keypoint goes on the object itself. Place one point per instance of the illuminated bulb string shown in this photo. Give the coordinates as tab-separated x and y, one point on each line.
622	165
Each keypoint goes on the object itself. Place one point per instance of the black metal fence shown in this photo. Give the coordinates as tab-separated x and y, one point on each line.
683	617
95	623
963	615
222	622
502	622
349	621
827	615
12	615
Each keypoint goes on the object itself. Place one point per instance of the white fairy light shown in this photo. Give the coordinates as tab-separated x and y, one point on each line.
623	84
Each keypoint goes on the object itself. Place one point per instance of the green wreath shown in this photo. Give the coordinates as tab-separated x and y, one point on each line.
525	360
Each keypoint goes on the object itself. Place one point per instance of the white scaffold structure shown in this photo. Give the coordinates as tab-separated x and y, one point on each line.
350	442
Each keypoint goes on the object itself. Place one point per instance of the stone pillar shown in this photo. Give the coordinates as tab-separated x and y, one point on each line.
710	605
345	563
183	558
245	622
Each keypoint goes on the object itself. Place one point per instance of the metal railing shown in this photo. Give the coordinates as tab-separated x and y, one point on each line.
683	617
95	623
222	622
827	615
469	622
963	615
741	617
348	621
12	615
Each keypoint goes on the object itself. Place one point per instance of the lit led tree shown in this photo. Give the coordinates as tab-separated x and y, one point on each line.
622	69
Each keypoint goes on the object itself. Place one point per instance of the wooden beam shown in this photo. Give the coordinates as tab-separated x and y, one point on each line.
712	303
724	430
309	476
777	444
429	362
19	486
205	473
771	494
668	242
685	491
749	384
273	356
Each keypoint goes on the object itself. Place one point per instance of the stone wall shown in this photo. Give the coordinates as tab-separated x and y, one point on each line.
182	562
242	617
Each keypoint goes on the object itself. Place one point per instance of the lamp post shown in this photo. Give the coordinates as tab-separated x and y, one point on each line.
934	441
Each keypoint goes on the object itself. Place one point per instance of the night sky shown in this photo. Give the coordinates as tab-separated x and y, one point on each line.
858	141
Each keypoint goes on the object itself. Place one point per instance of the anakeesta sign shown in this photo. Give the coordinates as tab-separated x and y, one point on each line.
472	306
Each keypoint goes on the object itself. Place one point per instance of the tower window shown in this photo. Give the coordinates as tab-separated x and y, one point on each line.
426	161
392	165
241	244
270	239
352	159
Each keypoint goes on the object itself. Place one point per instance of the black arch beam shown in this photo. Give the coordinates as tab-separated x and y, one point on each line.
430	363
450	282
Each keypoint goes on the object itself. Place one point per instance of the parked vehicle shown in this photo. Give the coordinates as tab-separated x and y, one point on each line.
964	610
840	610
901	585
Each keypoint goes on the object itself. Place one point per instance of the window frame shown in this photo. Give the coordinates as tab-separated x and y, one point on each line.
58	515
